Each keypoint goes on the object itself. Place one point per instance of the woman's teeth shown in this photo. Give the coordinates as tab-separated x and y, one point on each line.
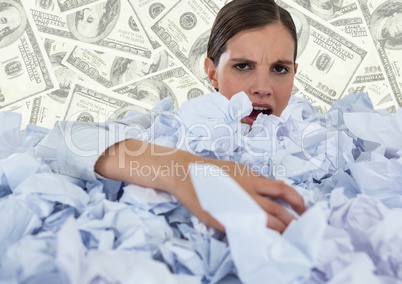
260	108
264	110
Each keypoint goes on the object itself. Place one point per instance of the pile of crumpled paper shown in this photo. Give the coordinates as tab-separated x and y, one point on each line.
346	164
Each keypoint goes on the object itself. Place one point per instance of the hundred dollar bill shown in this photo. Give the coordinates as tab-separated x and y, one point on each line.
379	92
148	12
109	70
56	51
384	18
24	67
41	110
299	91
175	82
370	76
64	6
108	26
221	3
92	103
71	5
185	30
328	10
371	80
327	59
354	26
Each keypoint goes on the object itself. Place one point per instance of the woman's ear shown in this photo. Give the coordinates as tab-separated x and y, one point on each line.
211	72
296	65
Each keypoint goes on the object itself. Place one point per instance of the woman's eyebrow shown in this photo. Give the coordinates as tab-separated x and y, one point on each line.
249	61
284	62
242	60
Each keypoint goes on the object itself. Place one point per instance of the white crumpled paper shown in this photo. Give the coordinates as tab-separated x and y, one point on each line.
57	229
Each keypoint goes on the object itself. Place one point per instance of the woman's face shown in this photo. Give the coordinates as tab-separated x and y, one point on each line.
260	63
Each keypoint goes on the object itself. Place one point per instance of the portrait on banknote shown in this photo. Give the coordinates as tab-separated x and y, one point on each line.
25	69
126	70
176	30
302	29
325	9
45	4
386	24
150	91
175	82
13	21
64	76
95	22
197	55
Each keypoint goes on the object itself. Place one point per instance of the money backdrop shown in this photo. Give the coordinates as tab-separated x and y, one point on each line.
97	59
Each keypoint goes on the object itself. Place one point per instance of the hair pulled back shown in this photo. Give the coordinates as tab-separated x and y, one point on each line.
241	15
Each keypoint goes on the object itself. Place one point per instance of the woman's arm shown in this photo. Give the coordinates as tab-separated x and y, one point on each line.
166	169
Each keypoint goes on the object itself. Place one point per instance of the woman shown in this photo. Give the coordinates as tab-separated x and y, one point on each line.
252	48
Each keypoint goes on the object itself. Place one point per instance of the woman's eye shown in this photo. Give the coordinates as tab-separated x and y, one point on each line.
280	69
242	66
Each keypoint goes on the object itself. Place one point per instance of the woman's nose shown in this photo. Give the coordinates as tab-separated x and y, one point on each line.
262	85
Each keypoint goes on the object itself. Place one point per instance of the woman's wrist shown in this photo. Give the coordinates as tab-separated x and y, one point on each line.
178	176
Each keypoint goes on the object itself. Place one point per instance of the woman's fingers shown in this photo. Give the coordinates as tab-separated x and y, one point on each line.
278	189
276	224
261	189
271	188
277	212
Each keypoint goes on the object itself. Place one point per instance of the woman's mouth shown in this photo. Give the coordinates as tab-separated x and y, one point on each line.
256	111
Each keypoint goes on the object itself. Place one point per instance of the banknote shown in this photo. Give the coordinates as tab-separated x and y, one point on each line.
64	6
109	26
379	92
327	58
185	30
148	12
371	80
370	76
70	5
384	18
56	51
370	69
299	91
91	103
41	110
25	68
175	82
221	3
328	9
109	70
355	26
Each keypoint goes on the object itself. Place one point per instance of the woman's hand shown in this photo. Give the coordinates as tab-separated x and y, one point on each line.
261	189
168	169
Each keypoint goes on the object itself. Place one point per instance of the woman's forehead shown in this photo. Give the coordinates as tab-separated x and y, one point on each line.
273	36
274	26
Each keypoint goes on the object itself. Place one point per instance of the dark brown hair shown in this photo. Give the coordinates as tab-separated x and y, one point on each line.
241	15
